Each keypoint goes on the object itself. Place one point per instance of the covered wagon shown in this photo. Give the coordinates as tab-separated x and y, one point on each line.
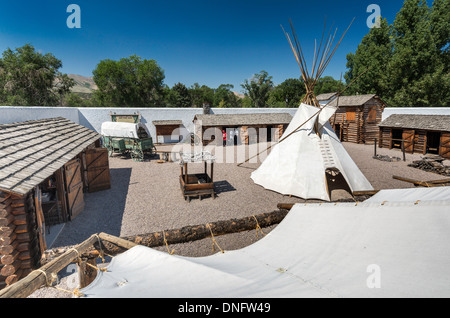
127	138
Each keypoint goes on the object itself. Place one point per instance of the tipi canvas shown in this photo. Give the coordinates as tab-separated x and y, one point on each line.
309	156
300	163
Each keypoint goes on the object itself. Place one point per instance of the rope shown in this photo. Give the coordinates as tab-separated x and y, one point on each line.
48	284
214	240
258	228
167	245
101	252
102	269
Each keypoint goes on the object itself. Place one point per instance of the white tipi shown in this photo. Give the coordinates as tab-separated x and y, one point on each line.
309	155
304	161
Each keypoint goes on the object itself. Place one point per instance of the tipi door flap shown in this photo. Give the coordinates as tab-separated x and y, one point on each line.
97	169
444	149
74	187
408	137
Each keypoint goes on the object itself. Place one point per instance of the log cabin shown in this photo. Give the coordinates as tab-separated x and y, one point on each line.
45	167
357	117
420	133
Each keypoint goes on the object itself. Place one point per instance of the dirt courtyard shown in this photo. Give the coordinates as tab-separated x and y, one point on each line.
145	197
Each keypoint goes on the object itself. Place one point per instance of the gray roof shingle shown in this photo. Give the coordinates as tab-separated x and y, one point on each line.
32	151
167	122
355	100
425	122
244	119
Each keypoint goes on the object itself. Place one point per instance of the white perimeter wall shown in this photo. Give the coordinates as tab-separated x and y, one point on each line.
94	117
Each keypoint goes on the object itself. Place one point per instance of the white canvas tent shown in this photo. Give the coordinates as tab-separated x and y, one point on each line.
298	164
377	248
123	129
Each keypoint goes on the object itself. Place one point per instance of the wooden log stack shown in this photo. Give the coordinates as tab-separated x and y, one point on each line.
432	163
19	252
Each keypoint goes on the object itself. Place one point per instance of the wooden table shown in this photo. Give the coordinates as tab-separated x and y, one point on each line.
197	184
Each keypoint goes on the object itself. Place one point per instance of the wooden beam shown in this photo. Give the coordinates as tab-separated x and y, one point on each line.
33	281
113	245
428	184
371	192
195	232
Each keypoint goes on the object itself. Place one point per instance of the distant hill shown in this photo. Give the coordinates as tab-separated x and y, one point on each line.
84	85
241	96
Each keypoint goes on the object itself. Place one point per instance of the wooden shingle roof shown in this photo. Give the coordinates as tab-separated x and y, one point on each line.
354	100
32	151
244	119
425	122
167	122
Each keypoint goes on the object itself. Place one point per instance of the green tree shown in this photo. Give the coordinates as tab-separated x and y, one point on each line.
326	84
288	94
258	88
224	97
129	82
418	74
30	78
201	94
372	55
408	62
179	96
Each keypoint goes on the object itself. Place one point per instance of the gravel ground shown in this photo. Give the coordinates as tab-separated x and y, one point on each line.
145	197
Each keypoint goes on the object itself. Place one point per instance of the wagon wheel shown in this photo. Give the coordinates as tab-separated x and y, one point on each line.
137	155
110	150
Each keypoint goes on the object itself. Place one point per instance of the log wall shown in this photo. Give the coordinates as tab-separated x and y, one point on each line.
419	139
19	246
373	112
359	124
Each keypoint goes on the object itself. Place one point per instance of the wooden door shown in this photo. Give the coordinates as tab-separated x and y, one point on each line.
74	188
408	137
444	149
40	219
96	165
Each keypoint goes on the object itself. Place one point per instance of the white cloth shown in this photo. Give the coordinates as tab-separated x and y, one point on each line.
124	130
369	249
296	166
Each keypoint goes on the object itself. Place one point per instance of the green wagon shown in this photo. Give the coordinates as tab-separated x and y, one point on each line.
127	138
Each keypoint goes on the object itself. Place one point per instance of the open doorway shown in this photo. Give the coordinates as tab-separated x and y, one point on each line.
397	136
433	142
338	131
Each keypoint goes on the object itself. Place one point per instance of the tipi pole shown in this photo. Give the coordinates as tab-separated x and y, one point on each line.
339	94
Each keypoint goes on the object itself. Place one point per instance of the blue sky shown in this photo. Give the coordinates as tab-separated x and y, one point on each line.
208	42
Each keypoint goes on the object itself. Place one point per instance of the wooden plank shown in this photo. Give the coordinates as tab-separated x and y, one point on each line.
428	184
27	285
97	169
408	137
74	188
40	219
444	149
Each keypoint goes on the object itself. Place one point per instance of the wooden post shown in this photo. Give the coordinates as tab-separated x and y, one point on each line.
375	147
212	171
403	149
87	273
